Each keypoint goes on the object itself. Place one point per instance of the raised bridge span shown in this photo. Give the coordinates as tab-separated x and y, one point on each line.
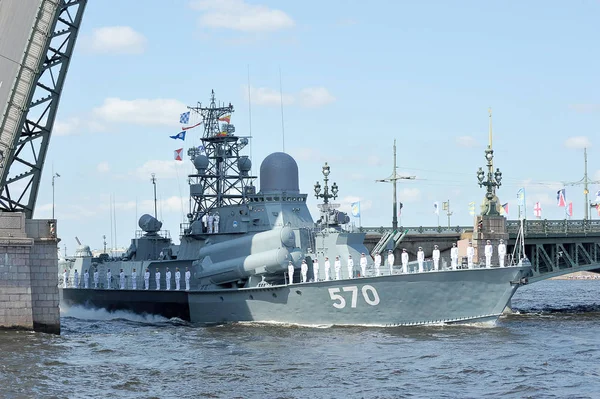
554	247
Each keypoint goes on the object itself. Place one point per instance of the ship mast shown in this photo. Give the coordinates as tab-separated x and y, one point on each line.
222	175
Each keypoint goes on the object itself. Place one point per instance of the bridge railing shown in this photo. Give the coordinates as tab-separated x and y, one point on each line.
416	230
553	227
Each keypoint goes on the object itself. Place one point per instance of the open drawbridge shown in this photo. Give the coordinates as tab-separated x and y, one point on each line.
34	60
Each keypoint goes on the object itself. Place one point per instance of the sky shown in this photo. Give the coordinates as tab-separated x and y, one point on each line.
355	76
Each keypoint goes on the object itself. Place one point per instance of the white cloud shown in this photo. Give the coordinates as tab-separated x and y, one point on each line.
241	16
116	40
74	125
162	170
148	112
466	141
585	108
409	195
374	160
315	97
578	142
266	96
307	97
103	167
67	127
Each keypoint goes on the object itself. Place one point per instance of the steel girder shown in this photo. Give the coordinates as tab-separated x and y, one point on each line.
20	179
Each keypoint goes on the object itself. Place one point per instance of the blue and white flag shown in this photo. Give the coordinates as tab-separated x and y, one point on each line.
521	197
202	149
185	117
436	208
355	206
180	135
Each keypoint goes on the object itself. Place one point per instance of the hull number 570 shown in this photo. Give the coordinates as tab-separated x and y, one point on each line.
369	294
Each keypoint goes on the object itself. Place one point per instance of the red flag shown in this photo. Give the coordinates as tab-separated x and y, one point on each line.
179	154
570	209
505	206
225	118
537	210
191	127
561	198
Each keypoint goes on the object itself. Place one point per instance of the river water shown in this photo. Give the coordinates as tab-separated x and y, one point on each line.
547	349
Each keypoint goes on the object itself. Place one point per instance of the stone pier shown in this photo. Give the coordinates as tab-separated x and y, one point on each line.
29	295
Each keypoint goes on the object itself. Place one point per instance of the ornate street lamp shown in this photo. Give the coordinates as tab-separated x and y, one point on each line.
334	188
493	181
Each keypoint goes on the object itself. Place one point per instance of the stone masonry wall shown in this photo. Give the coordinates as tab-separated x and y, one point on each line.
28	279
43	260
15	283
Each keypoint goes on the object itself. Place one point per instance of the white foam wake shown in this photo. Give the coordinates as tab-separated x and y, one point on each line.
82	313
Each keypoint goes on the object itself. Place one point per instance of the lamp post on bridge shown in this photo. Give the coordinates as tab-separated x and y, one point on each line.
325	207
54	176
491	203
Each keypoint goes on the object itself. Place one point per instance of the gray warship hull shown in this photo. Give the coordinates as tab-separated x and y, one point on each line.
459	296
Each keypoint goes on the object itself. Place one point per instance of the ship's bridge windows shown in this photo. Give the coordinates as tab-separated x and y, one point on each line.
276	198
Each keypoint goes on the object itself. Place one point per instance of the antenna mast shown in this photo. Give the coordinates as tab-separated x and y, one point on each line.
281	102
394	177
586	182
222	174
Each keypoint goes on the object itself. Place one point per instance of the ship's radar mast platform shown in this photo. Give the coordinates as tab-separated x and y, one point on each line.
222	175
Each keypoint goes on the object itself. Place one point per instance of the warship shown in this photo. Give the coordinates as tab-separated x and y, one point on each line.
245	251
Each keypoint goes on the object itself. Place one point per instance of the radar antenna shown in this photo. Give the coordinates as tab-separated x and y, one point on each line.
222	175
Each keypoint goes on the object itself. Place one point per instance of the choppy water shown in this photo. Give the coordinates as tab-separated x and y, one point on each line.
549	349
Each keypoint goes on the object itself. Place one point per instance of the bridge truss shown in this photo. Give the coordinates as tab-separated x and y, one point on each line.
26	125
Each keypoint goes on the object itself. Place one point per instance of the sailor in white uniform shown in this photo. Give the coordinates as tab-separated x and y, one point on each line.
470	255
96	278
350	267
390	260
108	279
488	254
377	263
157	279
134	280
75	279
86	280
168	279
363	265
147	279
65	278
420	259
210	218
188	276
501	252
177	279
337	266
327	268
304	271
122	279
436	257
454	257
216	222
316	269
290	272
404	259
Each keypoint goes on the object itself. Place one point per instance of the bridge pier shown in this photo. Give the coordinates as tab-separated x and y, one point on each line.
29	295
491	228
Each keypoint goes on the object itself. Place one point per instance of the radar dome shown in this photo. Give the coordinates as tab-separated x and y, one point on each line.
201	163
244	164
149	224
279	173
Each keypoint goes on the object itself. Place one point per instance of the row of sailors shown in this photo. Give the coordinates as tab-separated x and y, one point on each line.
122	279
404	259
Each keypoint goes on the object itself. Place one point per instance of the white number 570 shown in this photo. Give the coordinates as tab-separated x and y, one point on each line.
369	294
